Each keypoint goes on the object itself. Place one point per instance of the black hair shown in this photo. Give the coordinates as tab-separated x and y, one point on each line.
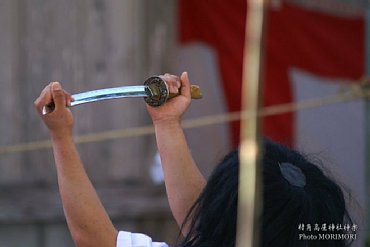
287	209
213	216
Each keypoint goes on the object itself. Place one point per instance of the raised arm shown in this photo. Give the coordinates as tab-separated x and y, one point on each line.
87	219
183	180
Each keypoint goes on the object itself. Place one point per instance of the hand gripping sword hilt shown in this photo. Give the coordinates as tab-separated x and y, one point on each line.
157	87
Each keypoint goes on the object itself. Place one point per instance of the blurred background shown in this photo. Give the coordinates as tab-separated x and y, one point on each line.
313	49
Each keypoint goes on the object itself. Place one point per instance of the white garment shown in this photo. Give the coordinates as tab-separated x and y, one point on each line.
128	239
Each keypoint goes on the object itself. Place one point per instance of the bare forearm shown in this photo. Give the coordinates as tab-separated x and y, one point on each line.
86	217
184	182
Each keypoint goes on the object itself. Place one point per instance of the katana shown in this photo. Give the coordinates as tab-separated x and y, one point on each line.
155	92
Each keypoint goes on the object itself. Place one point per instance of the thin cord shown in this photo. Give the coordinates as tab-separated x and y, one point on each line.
354	93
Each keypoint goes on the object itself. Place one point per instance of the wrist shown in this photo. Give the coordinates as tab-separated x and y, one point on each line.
57	136
170	122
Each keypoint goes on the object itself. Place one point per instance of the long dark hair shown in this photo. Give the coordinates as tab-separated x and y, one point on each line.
212	218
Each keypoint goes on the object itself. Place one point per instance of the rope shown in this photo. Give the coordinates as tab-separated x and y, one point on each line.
354	93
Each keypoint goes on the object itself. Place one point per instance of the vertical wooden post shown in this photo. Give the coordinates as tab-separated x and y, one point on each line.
250	185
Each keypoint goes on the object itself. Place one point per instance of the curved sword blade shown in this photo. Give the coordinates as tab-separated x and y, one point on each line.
110	93
104	94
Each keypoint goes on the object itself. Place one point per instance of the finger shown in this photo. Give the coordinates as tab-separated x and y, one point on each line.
173	89
45	93
175	80
185	85
172	80
44	98
68	97
59	97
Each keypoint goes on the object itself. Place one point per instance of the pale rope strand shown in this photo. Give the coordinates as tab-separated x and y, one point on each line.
355	93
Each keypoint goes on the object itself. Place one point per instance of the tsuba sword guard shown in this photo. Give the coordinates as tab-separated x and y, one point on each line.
158	90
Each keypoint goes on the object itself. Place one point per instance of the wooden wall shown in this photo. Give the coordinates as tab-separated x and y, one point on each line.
85	44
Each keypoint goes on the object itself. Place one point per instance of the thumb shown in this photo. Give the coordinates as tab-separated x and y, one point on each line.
58	95
185	84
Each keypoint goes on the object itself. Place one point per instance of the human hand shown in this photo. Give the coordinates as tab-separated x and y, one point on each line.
173	109
60	120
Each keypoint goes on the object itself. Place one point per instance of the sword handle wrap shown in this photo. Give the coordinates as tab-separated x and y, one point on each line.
194	92
160	94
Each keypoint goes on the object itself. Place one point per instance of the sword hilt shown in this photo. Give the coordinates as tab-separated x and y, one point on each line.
160	94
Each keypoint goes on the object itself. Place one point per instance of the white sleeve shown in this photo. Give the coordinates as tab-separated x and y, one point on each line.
128	239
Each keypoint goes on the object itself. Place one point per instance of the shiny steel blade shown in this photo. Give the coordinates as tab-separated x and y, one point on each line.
111	93
104	94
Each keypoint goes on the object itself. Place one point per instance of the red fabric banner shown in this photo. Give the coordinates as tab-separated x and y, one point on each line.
220	25
325	45
322	44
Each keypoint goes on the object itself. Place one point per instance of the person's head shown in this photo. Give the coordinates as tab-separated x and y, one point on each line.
295	193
